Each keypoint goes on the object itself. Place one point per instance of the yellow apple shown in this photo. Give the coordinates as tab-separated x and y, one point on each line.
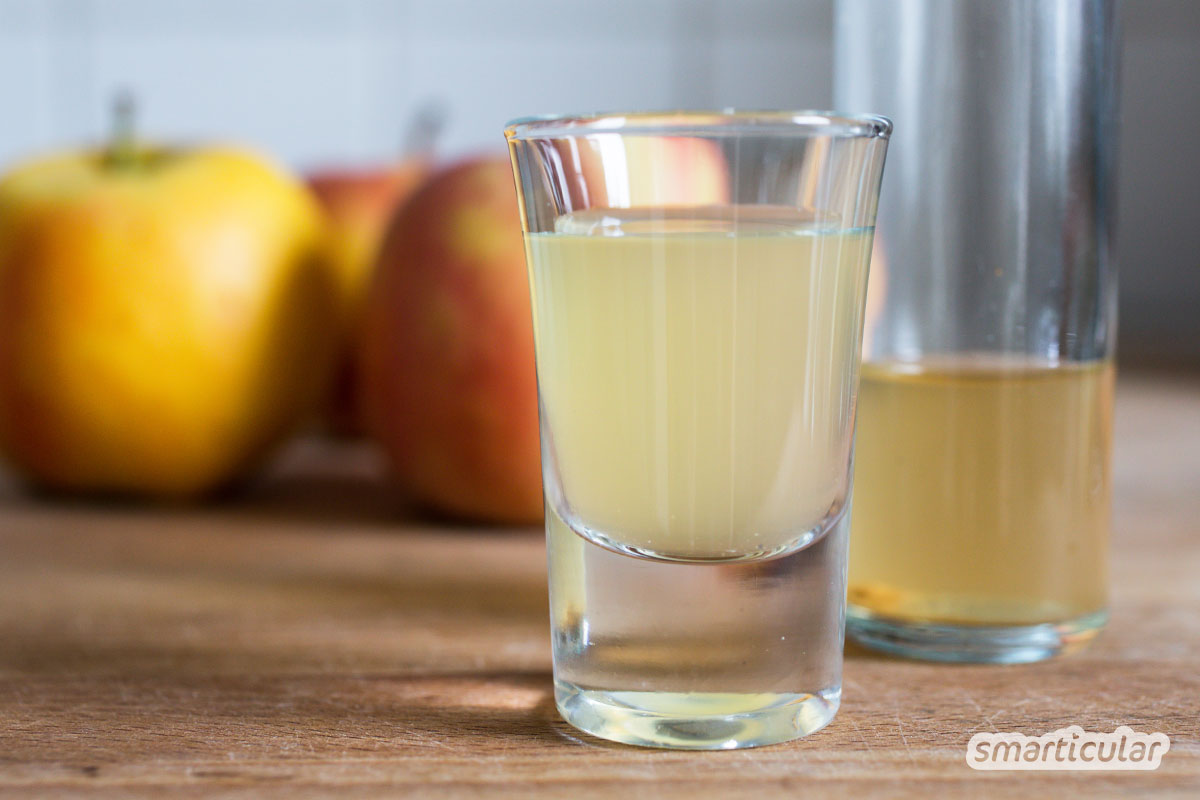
448	381
165	316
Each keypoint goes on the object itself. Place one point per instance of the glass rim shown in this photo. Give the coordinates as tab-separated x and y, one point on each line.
714	122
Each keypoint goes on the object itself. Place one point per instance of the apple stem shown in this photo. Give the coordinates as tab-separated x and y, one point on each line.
122	147
424	130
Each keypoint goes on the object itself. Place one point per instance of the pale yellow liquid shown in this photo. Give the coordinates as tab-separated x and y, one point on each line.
982	491
696	372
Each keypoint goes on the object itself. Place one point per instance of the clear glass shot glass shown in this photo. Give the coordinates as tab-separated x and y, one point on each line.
983	481
698	281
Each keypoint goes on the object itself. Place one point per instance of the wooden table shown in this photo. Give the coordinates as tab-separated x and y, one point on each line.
311	637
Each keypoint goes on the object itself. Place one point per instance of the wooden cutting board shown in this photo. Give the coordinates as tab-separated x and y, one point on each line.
313	638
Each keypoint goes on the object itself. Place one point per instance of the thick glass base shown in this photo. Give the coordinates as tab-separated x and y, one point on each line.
980	644
702	656
701	721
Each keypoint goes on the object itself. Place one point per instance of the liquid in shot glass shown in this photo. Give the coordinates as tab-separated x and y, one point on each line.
697	351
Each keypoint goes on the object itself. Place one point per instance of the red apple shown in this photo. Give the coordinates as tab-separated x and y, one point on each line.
656	171
447	369
358	204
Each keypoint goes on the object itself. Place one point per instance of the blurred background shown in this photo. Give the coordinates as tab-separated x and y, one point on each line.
320	82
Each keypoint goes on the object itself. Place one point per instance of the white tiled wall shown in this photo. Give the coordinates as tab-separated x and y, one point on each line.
320	80
317	81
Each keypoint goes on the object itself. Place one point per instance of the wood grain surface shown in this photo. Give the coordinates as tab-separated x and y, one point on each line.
312	637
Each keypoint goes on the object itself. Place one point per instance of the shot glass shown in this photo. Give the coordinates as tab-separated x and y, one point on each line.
981	516
697	282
